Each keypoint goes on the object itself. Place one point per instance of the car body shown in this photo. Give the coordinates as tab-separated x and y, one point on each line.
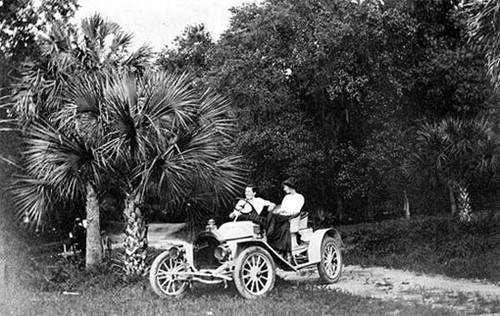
238	252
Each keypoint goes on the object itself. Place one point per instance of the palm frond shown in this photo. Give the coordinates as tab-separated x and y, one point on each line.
169	99
62	161
484	32
138	61
33	198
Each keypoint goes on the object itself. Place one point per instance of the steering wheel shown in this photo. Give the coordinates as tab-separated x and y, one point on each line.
242	206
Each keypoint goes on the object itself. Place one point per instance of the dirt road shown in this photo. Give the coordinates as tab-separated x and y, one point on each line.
466	296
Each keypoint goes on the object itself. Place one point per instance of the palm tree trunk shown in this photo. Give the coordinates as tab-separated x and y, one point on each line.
93	256
453	203
136	243
465	209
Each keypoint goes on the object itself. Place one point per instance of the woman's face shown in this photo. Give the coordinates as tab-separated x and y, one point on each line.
287	189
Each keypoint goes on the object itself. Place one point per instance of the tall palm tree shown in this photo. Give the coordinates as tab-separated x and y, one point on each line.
170	140
455	152
42	95
66	53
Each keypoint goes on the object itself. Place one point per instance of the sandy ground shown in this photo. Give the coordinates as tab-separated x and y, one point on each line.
466	296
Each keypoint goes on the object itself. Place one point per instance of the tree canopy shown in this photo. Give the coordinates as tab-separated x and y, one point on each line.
333	92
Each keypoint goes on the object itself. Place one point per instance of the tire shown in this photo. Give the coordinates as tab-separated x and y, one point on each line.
168	285
330	266
254	273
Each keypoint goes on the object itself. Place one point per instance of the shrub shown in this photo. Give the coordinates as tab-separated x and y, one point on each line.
431	245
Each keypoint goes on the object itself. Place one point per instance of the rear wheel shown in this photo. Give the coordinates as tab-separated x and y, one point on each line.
254	273
330	266
166	275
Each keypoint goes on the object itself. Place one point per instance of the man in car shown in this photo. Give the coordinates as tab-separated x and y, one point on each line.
252	208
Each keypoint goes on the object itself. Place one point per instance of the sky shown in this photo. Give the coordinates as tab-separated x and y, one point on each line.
158	22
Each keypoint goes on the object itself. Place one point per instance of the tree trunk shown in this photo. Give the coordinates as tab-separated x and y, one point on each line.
340	209
93	255
406	205
4	254
136	243
465	209
452	200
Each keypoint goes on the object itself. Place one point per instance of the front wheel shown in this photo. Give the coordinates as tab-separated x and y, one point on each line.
330	266
254	273
166	275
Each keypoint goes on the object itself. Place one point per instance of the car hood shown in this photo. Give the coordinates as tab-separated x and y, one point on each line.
236	230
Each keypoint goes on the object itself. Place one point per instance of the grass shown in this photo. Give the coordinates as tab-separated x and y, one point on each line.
104	293
50	285
437	245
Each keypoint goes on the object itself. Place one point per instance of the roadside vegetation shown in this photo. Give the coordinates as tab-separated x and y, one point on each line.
437	245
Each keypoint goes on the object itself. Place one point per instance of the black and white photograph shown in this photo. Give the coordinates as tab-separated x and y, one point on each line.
249	157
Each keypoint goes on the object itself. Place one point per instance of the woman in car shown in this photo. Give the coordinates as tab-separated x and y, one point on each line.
278	222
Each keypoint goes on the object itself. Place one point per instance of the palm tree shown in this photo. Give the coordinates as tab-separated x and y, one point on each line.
60	166
455	152
42	97
65	53
170	140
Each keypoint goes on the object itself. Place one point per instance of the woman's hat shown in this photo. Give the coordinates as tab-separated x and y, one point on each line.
290	182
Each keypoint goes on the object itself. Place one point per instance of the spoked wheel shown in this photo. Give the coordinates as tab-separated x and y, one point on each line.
254	273
166	275
330	266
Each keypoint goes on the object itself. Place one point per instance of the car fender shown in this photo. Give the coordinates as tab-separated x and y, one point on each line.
240	245
314	249
278	259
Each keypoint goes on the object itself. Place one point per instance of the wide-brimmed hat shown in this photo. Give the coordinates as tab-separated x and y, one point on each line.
290	182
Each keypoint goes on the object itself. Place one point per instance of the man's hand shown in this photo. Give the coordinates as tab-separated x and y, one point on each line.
234	213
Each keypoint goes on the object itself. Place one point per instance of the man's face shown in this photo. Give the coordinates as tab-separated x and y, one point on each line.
249	193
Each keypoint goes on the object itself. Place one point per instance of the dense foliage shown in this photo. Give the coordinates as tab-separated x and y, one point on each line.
332	92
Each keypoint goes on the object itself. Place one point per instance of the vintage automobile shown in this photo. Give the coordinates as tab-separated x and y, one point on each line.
238	251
